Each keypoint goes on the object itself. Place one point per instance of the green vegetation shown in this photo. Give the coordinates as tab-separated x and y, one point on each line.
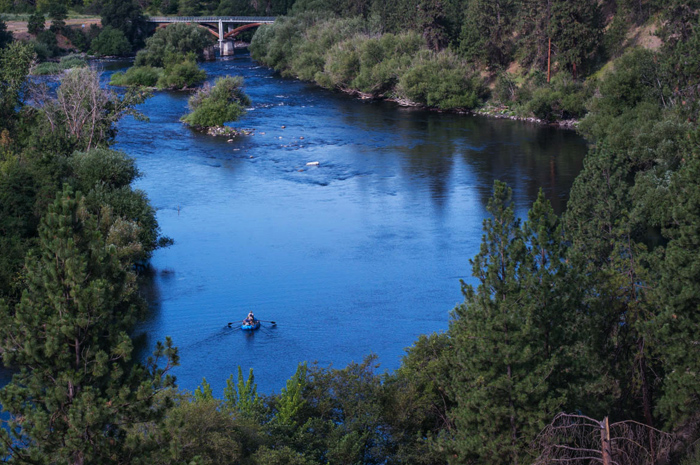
110	42
593	312
66	62
214	106
169	60
345	54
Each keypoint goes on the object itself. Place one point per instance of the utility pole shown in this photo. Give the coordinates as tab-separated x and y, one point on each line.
549	60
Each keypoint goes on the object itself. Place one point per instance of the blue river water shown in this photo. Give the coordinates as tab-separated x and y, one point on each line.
359	254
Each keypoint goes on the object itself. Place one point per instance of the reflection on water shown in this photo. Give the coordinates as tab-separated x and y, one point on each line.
360	254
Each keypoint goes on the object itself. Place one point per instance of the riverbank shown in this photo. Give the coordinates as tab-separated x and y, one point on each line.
489	109
344	54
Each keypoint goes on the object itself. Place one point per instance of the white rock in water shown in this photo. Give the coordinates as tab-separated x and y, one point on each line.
313	163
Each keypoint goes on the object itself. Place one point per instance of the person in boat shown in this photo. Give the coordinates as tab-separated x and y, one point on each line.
250	319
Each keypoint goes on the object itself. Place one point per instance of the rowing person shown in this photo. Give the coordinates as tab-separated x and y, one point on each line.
250	319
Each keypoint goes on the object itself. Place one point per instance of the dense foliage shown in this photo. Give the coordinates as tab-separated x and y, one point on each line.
346	54
110	42
169	60
596	312
218	104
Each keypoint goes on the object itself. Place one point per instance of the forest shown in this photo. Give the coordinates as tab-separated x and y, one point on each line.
580	323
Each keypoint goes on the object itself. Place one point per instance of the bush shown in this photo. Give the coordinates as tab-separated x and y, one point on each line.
72	61
67	62
49	42
177	39
214	106
181	75
78	38
137	76
384	60
46	68
562	99
42	51
102	167
111	42
442	81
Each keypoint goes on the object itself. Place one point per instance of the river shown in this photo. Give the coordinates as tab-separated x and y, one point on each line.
360	254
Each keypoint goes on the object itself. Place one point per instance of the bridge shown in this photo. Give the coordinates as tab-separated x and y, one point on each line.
217	25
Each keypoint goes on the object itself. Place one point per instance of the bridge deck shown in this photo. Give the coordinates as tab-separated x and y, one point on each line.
211	19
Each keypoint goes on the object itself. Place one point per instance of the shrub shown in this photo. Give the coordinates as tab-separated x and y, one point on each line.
78	38
110	42
46	68
72	61
137	76
181	74
50	43
102	167
384	60
214	106
562	99
42	50
441	80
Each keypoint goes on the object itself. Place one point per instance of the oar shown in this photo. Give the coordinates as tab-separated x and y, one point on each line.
274	323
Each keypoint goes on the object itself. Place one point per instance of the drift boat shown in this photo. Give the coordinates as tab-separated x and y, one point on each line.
253	327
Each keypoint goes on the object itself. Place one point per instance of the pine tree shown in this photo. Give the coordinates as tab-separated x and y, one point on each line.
510	336
78	391
487	31
533	31
607	238
677	296
36	21
576	29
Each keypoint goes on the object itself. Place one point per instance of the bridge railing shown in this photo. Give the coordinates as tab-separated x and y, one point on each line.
211	19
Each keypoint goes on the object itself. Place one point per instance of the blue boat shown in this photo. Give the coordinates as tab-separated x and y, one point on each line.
253	327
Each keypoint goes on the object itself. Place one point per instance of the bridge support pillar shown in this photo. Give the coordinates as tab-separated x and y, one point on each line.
221	37
227	48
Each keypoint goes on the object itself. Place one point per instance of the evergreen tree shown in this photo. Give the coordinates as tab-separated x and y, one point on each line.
127	16
607	237
6	36
576	29
36	21
487	31
78	392
58	14
510	337
533	31
677	296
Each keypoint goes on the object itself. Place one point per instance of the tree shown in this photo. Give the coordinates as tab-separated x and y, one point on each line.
534	18
487	31
189	7
510	337
15	61
77	390
36	21
172	44
83	114
6	36
111	42
58	14
677	297
214	106
576	28
127	16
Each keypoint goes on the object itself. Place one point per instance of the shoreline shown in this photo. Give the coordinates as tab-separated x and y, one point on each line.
488	110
